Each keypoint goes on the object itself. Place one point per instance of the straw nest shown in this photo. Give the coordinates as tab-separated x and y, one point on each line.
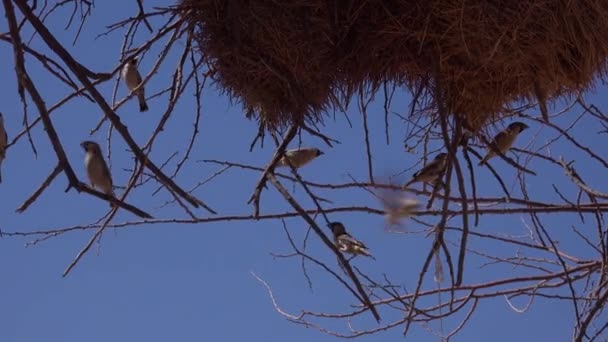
291	61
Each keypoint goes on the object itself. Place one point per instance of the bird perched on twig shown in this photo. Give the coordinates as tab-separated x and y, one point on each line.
97	169
345	242
432	172
3	143
133	80
299	157
503	141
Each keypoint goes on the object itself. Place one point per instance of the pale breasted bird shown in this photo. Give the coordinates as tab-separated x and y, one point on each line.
345	242
3	143
133	79
431	172
97	169
503	141
299	157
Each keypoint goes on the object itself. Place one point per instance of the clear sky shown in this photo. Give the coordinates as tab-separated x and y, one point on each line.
193	282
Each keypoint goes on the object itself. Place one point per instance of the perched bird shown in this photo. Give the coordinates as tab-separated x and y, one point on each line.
503	141
431	172
346	243
299	157
3	143
133	79
97	170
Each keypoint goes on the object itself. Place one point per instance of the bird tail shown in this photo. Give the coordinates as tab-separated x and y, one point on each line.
143	106
111	194
365	251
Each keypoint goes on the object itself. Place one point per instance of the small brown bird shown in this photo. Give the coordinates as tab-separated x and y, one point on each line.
3	143
503	141
345	242
431	172
299	157
97	169
133	79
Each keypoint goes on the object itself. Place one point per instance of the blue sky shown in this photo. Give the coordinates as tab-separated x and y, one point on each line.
192	282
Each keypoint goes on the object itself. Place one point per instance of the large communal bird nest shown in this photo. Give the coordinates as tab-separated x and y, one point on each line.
290	61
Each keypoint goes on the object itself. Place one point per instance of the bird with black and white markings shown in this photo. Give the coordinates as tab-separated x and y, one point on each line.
345	242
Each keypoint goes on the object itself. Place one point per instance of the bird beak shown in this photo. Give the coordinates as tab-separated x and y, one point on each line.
321	153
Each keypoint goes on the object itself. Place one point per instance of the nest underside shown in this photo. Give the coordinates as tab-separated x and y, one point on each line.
291	61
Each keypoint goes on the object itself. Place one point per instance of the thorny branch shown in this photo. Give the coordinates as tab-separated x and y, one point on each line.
533	264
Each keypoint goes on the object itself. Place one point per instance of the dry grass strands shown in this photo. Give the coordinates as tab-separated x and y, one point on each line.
290	61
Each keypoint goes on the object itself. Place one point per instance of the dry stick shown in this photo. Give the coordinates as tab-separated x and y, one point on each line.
53	108
198	91
42	187
362	295
568	279
159	61
574	142
576	179
587	208
25	82
142	15
81	73
89	244
278	154
388	99
452	146
493	200
317	134
24	79
496	175
473	184
592	194
318	263
363	106
463	194
599	304
120	203
465	223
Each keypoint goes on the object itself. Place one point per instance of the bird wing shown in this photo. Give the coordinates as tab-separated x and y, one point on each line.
502	135
429	169
138	78
3	149
347	239
106	171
